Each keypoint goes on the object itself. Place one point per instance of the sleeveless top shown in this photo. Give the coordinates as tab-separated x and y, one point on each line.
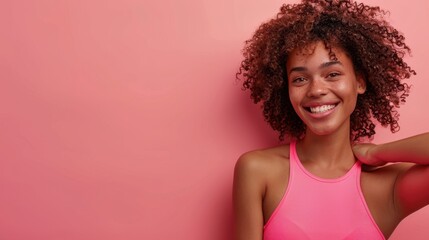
317	208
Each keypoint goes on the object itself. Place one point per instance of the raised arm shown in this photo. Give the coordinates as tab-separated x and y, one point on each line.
248	192
411	190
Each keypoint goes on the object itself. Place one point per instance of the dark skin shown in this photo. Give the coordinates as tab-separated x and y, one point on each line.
269	170
392	191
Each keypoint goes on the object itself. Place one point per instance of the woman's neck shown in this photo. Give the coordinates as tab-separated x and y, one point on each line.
329	151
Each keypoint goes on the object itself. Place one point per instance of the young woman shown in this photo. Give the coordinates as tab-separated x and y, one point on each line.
324	70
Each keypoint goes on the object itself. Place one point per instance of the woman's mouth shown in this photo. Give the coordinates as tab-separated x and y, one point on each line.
320	109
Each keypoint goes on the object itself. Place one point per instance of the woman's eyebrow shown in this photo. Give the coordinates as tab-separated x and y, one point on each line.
328	64
298	69
323	65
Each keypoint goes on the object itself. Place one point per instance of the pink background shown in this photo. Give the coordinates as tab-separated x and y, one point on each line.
123	119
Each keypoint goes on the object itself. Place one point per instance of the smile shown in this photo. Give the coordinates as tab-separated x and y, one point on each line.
321	109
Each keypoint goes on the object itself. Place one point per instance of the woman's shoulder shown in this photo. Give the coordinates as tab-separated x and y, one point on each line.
384	176
263	161
388	169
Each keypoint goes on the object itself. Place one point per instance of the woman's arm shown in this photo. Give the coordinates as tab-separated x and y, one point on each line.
248	192
411	190
413	149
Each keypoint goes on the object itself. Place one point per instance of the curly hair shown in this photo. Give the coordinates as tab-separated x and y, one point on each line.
375	48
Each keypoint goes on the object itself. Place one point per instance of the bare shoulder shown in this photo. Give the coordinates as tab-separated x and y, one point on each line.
263	171
378	184
260	179
262	161
388	170
253	176
383	177
378	187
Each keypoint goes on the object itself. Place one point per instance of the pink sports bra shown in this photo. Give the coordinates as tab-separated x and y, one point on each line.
317	208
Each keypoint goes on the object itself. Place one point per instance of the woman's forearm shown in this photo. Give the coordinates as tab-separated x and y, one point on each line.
413	149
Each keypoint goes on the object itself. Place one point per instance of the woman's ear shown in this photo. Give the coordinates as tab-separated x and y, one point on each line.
361	87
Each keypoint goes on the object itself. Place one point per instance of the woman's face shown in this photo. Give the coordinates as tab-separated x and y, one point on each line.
323	92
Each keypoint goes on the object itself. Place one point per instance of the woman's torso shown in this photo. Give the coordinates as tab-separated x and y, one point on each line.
377	187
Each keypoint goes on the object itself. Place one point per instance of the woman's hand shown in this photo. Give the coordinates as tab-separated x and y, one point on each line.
363	153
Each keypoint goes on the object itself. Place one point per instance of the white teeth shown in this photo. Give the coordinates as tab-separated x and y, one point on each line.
321	109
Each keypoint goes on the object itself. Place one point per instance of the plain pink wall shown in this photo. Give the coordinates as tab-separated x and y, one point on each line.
123	120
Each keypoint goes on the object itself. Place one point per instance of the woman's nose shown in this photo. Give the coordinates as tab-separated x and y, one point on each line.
317	88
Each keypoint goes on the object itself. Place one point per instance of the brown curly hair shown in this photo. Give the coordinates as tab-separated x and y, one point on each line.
374	46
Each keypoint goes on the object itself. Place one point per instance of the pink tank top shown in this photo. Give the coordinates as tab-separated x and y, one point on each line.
317	208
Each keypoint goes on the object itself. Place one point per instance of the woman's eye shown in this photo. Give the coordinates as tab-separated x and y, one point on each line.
333	74
298	80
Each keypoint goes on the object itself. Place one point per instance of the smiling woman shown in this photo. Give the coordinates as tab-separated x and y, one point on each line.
323	92
323	71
